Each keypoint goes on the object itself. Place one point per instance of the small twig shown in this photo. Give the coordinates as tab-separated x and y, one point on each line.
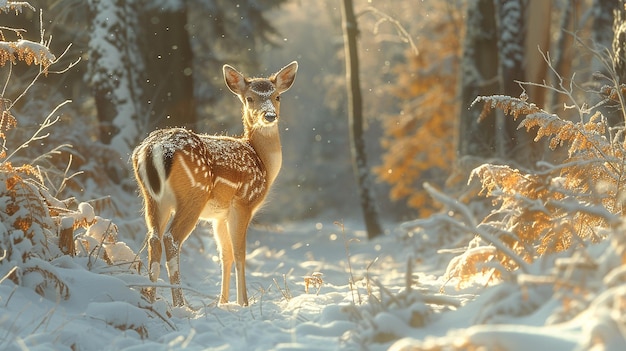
48	122
403	34
99	247
314	279
6	83
163	318
6	276
285	292
367	276
347	247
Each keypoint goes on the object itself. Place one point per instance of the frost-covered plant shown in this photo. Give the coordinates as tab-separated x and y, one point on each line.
35	227
25	228
588	287
25	221
388	316
554	233
556	208
552	208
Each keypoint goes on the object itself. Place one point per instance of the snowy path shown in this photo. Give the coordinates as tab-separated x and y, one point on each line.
103	313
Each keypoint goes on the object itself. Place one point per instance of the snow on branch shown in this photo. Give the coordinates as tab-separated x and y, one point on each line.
27	51
509	105
17	6
581	136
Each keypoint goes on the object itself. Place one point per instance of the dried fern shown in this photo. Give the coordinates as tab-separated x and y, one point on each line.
45	279
550	210
26	51
24	213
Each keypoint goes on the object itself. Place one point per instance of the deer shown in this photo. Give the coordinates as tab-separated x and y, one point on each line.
185	177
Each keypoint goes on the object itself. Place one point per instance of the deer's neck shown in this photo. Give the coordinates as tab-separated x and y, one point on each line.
266	142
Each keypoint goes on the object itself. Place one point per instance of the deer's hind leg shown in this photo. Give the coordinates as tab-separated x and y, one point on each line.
156	219
182	224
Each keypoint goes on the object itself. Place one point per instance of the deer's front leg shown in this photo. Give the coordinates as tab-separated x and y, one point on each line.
238	220
225	252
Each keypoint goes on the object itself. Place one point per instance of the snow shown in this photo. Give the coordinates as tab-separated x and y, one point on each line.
368	305
405	290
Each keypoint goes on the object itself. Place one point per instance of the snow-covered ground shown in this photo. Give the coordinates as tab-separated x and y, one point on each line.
105	310
361	302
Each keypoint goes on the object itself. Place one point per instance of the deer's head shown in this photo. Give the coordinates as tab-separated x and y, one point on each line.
260	96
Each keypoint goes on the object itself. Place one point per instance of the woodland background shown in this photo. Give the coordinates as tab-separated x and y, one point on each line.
152	64
495	131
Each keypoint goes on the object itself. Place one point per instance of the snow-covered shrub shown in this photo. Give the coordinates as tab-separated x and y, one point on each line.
581	293
35	227
548	210
25	232
552	246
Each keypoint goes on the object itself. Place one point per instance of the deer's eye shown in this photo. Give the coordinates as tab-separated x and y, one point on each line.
250	100
277	97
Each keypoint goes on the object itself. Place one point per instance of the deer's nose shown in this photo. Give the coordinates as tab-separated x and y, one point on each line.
270	116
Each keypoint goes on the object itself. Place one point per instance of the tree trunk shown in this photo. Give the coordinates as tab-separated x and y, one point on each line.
619	44
169	62
113	75
108	43
479	69
562	58
512	143
537	42
355	118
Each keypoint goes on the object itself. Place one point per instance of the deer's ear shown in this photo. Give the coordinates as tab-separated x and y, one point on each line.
234	80
285	77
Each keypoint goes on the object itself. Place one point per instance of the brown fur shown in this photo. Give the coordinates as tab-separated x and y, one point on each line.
217	178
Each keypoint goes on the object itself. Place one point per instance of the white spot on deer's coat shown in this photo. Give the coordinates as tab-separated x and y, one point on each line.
192	179
231	184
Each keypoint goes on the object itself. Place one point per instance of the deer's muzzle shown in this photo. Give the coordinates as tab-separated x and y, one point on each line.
270	117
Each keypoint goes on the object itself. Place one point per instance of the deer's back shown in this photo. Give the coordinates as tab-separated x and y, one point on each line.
228	168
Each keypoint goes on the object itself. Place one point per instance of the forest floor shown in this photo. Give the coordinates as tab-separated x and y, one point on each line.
360	302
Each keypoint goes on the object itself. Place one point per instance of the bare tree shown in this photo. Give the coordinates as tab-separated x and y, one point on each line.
355	118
